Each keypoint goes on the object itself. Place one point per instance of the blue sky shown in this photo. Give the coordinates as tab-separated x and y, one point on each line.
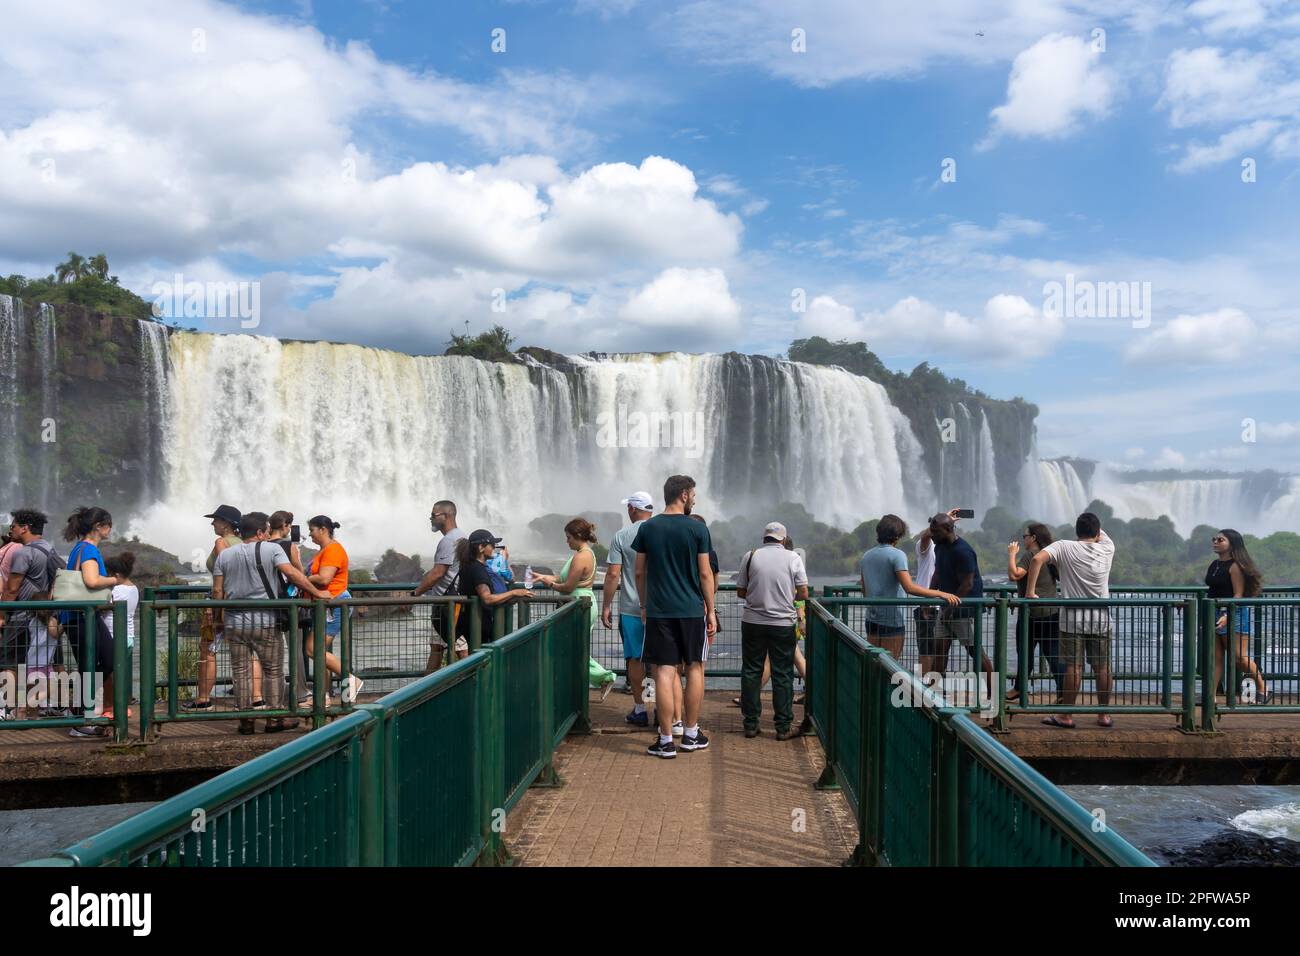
632	175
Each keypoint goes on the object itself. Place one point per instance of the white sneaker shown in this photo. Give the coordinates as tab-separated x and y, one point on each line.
678	729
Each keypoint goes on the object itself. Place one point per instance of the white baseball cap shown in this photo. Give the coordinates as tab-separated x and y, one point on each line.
776	530
640	500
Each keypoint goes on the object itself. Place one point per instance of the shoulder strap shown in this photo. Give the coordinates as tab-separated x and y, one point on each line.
749	559
261	572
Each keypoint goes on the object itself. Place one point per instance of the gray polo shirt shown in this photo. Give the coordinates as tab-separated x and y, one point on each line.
241	582
769	576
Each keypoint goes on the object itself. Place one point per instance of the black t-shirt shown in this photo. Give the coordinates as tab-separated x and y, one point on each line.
1218	578
952	562
472	574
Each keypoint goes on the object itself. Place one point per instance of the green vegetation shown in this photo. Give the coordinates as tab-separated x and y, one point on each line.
492	345
1148	551
83	282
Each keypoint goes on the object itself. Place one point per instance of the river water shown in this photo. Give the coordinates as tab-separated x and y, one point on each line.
1175	818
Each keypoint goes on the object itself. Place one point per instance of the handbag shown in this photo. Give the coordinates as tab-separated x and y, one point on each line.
70	586
281	614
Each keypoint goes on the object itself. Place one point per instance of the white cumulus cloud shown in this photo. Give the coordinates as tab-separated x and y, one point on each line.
1211	338
1054	86
1009	329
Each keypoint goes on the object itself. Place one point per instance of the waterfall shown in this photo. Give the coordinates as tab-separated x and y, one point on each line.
1055	492
372	438
47	349
1257	503
154	362
967	463
986	489
12	339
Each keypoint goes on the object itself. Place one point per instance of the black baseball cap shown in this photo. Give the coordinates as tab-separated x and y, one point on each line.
227	513
483	536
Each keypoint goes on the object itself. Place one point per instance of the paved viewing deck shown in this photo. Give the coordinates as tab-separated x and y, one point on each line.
741	802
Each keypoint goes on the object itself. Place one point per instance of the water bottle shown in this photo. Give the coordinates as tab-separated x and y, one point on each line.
528	576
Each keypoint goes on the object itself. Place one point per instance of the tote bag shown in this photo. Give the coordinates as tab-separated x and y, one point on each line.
70	586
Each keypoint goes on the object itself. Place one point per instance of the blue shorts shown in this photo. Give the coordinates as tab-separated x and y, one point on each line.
333	619
633	630
1243	622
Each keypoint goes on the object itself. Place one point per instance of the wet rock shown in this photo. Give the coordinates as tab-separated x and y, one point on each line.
1235	848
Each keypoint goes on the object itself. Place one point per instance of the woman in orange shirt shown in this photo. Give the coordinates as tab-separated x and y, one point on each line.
329	570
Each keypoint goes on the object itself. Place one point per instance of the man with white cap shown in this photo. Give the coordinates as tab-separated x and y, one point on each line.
770	580
640	506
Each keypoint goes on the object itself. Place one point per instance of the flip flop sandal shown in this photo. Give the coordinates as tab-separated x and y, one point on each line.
1106	721
1053	722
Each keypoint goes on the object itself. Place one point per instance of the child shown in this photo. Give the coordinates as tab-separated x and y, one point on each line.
119	566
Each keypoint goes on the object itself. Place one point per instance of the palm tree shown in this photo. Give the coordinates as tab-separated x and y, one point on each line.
73	268
99	264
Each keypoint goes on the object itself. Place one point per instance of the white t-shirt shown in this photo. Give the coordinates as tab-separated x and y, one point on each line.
924	564
131	595
1084	567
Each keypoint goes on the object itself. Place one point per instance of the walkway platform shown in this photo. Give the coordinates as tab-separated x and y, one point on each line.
1249	748
739	803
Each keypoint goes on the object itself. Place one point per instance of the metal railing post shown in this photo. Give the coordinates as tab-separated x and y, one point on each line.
374	797
475	639
583	618
947	793
346	696
121	674
1191	613
148	665
1167	657
173	662
1000	720
827	779
1208	665
320	675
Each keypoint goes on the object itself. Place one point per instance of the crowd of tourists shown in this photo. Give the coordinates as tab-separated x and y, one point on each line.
254	556
662	572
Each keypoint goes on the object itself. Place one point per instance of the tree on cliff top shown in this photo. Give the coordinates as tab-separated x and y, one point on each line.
82	282
492	345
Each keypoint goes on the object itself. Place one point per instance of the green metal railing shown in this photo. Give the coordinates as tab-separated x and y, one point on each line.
85	681
927	785
1161	646
425	776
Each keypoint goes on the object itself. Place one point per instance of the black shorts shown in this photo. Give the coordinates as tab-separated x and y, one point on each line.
673	640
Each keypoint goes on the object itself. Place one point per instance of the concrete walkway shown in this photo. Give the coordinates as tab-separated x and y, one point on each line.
738	803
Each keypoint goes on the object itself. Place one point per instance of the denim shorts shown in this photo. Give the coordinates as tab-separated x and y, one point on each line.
333	619
1242	625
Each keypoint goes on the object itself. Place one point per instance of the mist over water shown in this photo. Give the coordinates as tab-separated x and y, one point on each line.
1261	504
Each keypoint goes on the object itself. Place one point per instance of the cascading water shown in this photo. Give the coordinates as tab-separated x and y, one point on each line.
967	462
1258	503
47	347
11	339
372	438
1054	491
155	360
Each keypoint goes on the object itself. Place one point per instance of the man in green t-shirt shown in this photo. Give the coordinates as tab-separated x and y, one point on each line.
675	581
